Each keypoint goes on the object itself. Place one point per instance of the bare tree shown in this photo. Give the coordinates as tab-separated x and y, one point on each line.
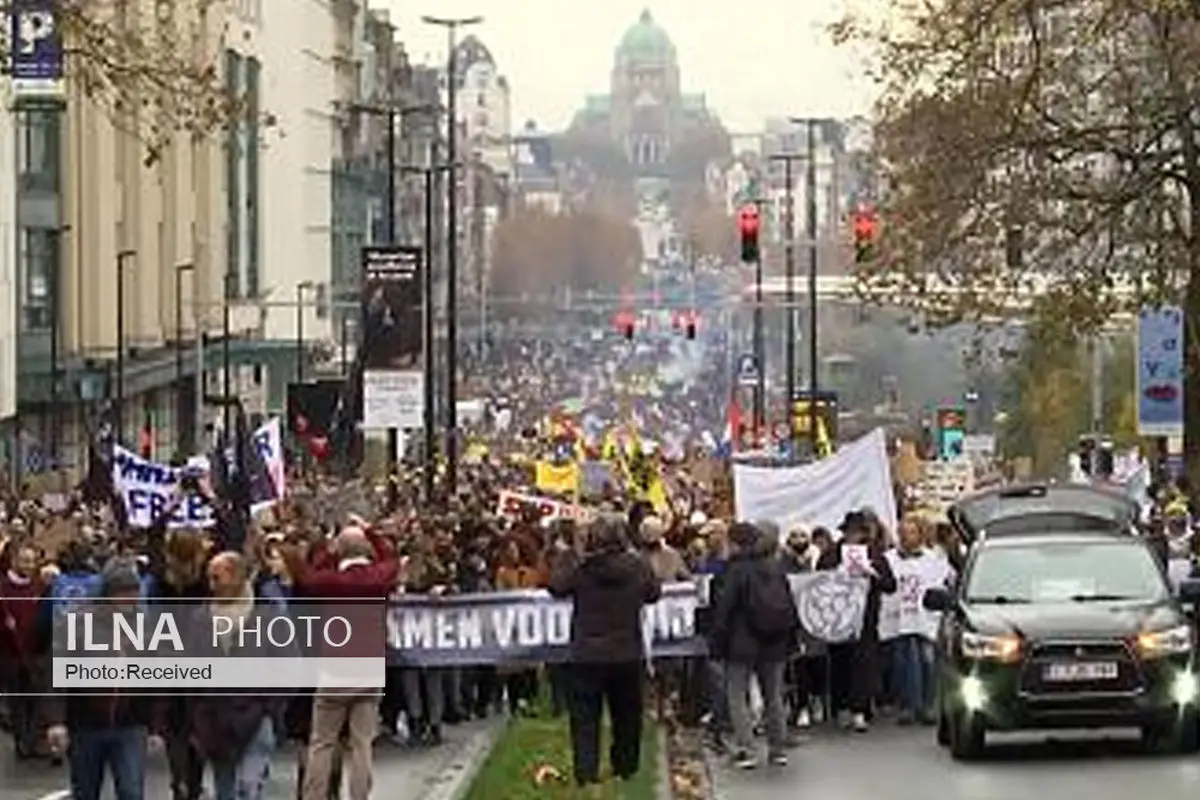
154	67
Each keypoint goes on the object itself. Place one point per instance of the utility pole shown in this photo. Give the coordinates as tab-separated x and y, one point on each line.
181	436
789	253
119	427
452	26
395	116
814	358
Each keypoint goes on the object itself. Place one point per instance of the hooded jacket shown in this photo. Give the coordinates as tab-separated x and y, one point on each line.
609	589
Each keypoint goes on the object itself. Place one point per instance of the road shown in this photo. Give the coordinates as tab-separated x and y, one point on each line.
905	764
401	773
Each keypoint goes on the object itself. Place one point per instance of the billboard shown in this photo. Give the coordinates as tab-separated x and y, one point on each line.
393	341
1160	371
36	53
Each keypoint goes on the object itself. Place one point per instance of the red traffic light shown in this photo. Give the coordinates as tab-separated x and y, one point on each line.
865	225
748	222
625	323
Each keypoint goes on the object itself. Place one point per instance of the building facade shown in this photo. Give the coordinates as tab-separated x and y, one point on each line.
10	315
646	112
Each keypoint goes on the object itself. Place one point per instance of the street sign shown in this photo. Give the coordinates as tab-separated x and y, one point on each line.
747	370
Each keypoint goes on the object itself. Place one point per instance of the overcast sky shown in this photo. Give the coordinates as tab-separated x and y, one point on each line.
777	62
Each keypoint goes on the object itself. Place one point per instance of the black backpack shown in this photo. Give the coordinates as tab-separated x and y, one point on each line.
770	609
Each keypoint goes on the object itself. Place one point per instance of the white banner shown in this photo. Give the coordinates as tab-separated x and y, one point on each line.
147	487
901	613
393	399
858	476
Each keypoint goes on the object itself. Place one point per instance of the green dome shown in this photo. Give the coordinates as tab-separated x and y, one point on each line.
645	40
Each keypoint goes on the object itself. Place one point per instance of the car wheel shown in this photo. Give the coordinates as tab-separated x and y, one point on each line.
967	734
943	727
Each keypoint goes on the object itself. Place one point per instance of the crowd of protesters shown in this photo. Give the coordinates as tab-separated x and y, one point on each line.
758	679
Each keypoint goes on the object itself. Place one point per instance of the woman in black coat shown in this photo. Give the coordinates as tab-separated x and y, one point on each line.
856	668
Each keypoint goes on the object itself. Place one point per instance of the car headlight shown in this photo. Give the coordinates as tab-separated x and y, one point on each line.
1172	641
982	647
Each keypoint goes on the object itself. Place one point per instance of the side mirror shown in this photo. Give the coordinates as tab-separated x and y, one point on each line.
1189	591
937	599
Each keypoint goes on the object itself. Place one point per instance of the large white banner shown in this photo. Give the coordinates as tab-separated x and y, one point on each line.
858	476
147	487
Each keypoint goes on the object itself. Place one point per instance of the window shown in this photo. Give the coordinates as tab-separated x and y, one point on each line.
481	100
481	120
39	149
1065	572
39	267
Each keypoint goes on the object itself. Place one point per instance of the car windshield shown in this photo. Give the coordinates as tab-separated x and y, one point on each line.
1061	572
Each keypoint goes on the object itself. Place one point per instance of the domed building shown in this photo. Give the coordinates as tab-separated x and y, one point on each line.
646	115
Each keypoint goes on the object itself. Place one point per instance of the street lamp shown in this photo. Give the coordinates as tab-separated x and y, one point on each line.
182	437
394	114
810	189
452	26
119	427
428	421
301	288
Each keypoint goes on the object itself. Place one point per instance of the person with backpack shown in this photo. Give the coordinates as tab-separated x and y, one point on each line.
755	624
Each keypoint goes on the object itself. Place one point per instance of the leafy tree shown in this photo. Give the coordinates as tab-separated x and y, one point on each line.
535	251
153	68
1044	147
1049	399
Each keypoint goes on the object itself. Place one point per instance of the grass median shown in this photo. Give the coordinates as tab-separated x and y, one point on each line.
532	759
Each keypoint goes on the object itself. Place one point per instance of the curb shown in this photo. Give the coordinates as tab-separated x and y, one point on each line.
454	775
665	792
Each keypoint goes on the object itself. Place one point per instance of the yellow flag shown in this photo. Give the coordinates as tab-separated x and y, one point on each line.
557	478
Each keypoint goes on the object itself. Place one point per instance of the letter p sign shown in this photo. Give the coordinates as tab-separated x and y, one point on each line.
33	27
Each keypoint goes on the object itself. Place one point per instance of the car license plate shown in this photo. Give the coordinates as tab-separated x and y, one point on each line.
1082	671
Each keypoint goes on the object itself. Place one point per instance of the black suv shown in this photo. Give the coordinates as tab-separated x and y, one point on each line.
1062	618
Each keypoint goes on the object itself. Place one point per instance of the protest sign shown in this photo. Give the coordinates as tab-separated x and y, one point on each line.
148	487
514	505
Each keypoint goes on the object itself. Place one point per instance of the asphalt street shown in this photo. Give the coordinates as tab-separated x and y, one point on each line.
401	773
905	764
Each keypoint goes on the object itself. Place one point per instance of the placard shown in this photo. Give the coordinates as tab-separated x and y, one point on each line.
393	400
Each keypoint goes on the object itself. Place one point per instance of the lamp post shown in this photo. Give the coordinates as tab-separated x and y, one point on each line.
429	412
789	254
452	26
182	438
810	219
395	116
119	427
301	288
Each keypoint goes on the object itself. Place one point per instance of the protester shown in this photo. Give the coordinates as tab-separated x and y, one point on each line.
754	629
107	732
856	668
20	589
361	566
608	584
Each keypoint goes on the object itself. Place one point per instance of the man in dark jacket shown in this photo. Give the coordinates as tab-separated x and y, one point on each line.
609	586
754	629
106	732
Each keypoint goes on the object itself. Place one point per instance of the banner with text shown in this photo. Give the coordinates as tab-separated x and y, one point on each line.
148	487
530	626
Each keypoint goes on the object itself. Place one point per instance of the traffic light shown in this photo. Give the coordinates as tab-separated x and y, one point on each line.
865	229
748	228
1087	449
625	323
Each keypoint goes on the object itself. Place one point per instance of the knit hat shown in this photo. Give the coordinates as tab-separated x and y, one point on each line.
120	575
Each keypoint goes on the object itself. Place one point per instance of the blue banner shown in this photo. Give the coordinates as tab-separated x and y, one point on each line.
37	50
1160	372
